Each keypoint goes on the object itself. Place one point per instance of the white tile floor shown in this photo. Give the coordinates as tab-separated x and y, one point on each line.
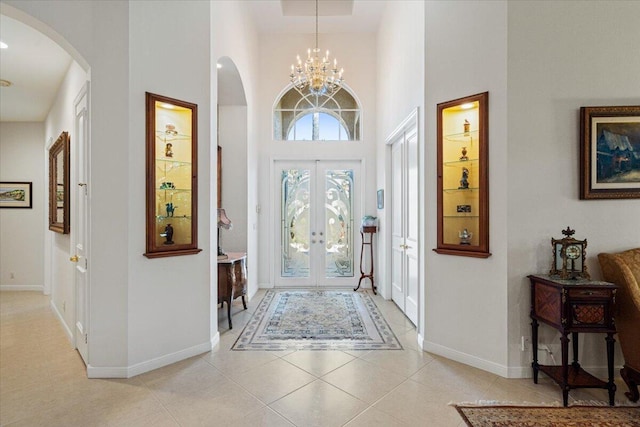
43	381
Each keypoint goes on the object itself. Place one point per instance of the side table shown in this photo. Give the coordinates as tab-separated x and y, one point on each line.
573	307
232	280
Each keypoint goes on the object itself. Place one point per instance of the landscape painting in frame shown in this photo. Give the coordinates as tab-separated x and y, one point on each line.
15	195
610	152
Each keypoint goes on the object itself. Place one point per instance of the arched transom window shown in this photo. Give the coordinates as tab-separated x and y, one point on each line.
302	116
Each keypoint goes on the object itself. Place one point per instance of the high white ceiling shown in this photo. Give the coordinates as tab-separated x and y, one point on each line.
36	65
298	16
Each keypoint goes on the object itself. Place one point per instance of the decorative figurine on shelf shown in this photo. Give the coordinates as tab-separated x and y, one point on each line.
170	209
168	235
464	154
168	150
170	129
465	237
167	186
466	127
464	181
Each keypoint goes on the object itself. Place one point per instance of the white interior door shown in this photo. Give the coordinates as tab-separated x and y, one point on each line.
316	206
79	222
404	223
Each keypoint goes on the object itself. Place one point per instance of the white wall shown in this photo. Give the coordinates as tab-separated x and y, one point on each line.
168	312
232	133
400	88
466	298
22	242
58	246
234	36
563	55
356	54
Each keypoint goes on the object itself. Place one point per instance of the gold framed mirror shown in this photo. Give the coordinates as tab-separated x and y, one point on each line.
59	184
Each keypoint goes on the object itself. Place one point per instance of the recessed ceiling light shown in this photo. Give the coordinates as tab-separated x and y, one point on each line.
467	106
3	45
5	83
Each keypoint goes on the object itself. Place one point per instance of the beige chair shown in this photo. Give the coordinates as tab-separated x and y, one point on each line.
623	269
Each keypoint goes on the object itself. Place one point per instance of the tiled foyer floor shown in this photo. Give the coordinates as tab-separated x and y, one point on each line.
43	381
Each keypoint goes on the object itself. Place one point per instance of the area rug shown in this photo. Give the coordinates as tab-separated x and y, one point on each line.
317	320
545	416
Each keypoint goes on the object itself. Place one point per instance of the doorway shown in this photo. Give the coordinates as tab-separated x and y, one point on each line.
405	210
316	202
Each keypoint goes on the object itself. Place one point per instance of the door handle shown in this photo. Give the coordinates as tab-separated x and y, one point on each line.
74	258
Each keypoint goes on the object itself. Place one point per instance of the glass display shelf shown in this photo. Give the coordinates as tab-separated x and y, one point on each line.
460	190
464	137
471	162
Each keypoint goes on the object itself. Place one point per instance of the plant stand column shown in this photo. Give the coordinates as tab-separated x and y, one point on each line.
370	231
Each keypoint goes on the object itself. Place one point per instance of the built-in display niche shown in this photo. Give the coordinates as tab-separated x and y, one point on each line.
463	170
172	180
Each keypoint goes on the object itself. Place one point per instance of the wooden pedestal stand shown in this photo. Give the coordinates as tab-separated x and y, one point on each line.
370	230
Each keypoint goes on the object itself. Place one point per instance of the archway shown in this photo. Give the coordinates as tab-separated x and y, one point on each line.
232	137
59	276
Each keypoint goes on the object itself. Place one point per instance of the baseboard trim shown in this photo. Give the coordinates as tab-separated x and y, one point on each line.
104	372
67	331
159	362
149	365
215	340
467	359
37	288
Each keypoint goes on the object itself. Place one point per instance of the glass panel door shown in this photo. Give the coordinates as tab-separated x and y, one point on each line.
317	205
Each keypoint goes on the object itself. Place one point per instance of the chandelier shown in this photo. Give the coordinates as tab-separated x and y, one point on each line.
316	73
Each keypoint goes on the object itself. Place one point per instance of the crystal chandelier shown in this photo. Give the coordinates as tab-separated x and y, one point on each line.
316	73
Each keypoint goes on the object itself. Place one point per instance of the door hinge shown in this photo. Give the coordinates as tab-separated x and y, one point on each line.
85	338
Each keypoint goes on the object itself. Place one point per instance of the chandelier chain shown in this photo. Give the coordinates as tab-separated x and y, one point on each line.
316	73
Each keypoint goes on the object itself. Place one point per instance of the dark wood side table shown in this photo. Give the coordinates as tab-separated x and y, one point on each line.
573	307
364	230
232	280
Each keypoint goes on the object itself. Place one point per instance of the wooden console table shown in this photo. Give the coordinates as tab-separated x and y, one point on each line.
573	306
232	280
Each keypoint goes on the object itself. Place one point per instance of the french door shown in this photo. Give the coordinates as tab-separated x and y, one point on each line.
404	223
317	203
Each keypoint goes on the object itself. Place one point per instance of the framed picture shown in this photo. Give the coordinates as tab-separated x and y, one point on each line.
380	199
610	152
15	195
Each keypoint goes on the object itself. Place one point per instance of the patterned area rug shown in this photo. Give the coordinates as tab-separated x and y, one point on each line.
317	320
540	416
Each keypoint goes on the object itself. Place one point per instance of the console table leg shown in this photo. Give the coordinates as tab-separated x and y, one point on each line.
565	368
574	342
534	346
611	385
229	312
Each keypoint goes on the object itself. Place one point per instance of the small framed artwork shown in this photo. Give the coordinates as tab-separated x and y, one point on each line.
381	199
610	152
15	195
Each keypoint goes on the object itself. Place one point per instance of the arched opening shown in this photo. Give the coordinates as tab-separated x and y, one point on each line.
49	96
232	151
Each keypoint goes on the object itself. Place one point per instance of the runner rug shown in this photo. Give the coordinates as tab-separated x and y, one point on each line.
317	320
541	416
